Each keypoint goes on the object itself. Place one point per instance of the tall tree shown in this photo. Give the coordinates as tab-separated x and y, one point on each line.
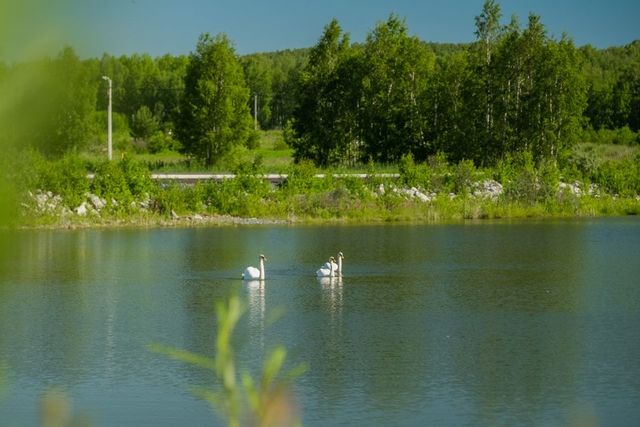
397	72
214	114
323	122
449	107
488	32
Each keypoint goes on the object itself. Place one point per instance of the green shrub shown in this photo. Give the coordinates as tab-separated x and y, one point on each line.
137	176
620	136
620	177
301	178
417	175
523	185
169	198
110	183
441	176
144	123
253	140
464	177
66	177
161	142
288	134
548	178
279	142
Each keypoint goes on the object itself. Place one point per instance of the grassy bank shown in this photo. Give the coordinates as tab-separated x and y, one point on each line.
59	194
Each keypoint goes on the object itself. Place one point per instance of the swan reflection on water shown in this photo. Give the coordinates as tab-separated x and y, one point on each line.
257	306
332	291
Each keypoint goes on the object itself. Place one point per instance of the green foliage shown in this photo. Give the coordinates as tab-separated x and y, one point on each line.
144	123
301	178
620	136
514	90
170	198
397	69
273	77
526	183
110	183
620	177
121	182
214	116
137	176
48	104
548	179
464	176
253	140
161	142
324	121
66	177
415	175
259	403
243	196
289	134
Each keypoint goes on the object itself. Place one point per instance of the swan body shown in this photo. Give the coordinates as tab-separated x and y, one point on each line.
327	269
252	273
331	268
329	265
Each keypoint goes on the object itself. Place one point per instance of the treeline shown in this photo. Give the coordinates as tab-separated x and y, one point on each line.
613	82
514	90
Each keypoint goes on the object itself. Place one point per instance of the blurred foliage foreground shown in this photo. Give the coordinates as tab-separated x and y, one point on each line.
265	402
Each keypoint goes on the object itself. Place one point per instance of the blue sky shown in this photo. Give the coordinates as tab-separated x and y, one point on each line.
166	26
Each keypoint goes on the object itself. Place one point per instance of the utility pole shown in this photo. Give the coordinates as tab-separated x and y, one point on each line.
255	111
109	124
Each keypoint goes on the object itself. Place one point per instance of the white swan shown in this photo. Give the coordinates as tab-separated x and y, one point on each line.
327	270
337	267
252	273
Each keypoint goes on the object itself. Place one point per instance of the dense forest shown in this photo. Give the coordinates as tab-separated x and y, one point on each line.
514	90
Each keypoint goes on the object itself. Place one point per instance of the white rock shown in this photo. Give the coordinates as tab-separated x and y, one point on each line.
489	189
97	202
82	209
423	197
571	188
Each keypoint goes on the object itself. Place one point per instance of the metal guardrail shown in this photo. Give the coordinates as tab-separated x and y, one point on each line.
274	178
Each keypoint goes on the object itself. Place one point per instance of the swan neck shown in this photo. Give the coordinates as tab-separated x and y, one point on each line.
261	269
339	265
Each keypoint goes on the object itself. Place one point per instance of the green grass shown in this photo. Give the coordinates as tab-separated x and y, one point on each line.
274	154
606	152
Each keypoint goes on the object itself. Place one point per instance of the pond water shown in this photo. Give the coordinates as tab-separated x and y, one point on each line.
530	323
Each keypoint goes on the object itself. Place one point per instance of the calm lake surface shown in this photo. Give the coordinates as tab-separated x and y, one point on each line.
490	324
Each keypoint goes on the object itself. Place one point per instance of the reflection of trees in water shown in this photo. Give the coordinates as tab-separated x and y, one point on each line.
45	306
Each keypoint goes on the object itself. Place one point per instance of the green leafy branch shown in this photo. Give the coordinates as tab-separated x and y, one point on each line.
266	402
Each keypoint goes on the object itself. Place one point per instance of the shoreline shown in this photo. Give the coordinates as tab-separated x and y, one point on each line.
212	220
